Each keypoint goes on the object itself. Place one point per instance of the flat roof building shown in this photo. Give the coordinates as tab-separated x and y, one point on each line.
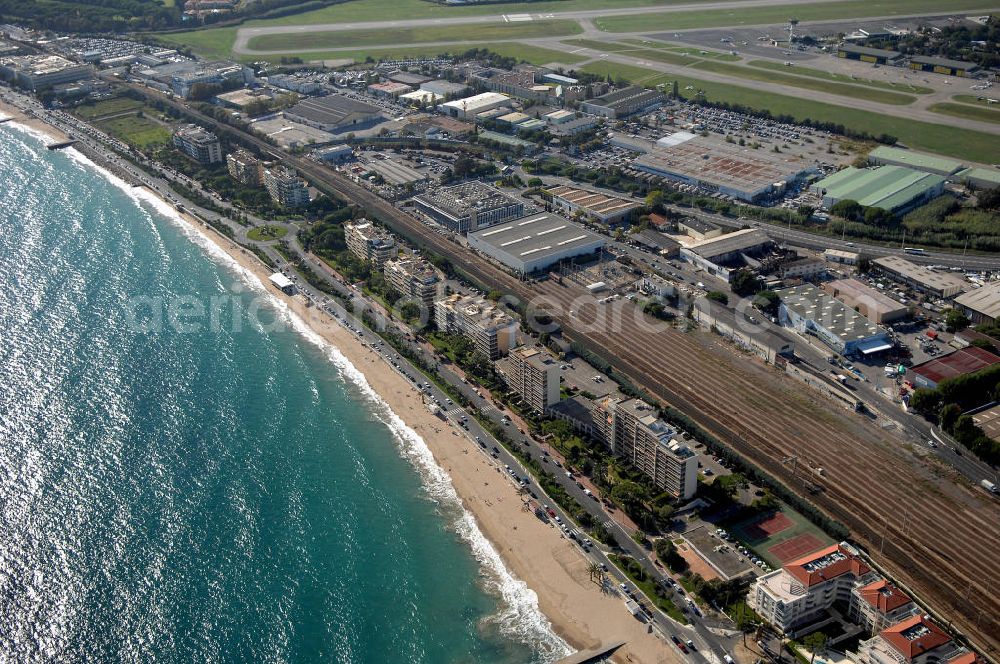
415	279
390	89
197	143
536	242
737	171
981	305
811	311
334	113
892	188
37	72
286	188
559	117
492	331
609	210
369	243
624	102
444	89
963	361
885	155
471	106
721	255
647	443
699	229
989	421
840	256
335	153
918	277
533	374
866	54
767	341
873	303
282	283
944	66
469	206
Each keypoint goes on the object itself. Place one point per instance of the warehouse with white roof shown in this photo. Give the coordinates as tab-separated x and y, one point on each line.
536	242
472	106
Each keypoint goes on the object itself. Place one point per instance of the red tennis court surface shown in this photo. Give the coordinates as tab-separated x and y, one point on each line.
795	547
768	527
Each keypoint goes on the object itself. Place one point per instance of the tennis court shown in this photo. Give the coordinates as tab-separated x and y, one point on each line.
779	536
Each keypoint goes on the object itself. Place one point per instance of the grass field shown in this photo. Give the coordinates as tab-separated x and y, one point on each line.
978	101
107	107
476	32
843	89
839	78
138	131
214	43
941	139
967	111
851	9
392	10
265	233
784	529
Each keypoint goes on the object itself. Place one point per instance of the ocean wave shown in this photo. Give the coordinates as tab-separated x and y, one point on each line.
519	617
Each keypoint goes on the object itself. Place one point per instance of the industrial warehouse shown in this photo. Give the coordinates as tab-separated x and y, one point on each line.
334	113
895	189
811	311
885	155
608	210
469	206
918	277
535	243
723	254
740	172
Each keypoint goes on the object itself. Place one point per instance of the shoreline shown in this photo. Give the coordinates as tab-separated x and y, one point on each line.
536	556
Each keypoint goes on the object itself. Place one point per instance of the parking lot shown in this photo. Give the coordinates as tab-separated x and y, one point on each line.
721	555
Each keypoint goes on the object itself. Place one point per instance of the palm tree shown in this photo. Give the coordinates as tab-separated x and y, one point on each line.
595	572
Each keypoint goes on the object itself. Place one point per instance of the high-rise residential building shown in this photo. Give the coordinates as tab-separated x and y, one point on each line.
415	278
198	143
648	443
878	604
534	374
914	640
491	330
369	243
287	189
245	168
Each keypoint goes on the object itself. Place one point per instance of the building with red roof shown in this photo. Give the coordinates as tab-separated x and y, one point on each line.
914	640
879	604
962	361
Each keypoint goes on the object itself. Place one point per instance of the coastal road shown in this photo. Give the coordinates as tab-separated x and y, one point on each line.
874	485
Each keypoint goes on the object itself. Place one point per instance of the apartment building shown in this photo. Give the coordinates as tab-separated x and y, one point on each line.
915	640
369	244
648	443
490	329
878	604
287	189
245	168
804	590
415	278
198	143
534	374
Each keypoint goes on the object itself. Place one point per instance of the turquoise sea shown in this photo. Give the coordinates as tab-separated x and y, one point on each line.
178	487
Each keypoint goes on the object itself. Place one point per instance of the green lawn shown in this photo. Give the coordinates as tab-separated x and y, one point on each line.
978	101
966	111
214	43
473	33
139	132
737	71
941	139
778	15
390	10
107	107
265	233
830	76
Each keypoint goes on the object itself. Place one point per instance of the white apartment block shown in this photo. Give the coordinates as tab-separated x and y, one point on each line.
534	375
198	143
414	278
286	188
490	329
648	443
369	243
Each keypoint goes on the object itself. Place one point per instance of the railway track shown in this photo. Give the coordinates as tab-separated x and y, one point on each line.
941	540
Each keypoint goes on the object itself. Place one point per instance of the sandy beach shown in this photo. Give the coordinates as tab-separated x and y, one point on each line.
19	116
535	552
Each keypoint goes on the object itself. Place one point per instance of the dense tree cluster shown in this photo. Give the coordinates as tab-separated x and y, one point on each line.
979	43
90	15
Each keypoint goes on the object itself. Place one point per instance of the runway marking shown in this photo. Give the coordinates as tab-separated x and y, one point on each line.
511	18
